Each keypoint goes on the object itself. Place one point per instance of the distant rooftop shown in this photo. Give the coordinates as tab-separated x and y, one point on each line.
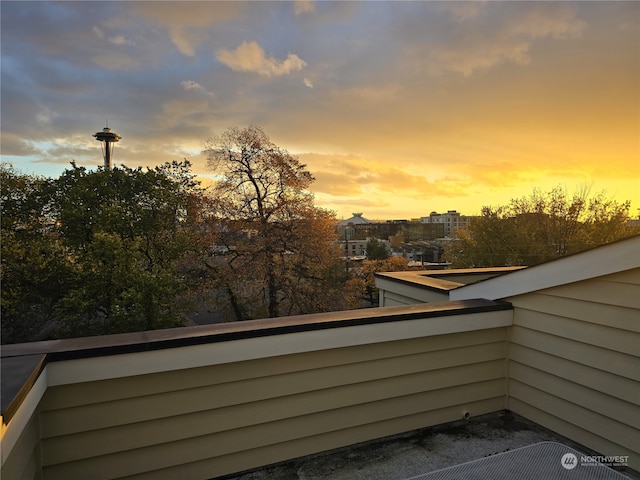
445	280
356	219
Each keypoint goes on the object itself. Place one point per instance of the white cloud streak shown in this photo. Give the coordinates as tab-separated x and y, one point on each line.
195	86
120	40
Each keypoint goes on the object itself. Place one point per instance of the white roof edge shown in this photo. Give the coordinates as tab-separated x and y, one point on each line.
605	260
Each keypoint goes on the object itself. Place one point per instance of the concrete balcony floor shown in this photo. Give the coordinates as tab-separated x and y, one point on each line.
413	454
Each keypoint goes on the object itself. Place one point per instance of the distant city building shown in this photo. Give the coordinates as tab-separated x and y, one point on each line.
409	231
346	227
419	252
358	248
436	225
452	221
357	230
356	219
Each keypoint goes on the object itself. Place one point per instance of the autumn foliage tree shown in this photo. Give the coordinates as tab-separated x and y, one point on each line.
540	227
274	249
122	249
362	283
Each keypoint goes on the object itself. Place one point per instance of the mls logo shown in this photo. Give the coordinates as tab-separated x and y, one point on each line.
569	461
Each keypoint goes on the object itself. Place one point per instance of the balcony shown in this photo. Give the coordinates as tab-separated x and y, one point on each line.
211	401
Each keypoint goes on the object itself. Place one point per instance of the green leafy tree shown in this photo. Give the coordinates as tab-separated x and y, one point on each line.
126	228
104	250
376	250
34	271
274	251
540	227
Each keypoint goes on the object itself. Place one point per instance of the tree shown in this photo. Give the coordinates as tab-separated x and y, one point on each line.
540	227
274	251
102	250
376	250
34	271
126	229
362	283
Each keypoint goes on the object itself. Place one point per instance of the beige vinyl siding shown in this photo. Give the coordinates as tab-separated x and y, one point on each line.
392	299
397	293
574	363
214	420
23	463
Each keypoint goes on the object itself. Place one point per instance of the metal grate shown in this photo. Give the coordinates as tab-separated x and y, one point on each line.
545	460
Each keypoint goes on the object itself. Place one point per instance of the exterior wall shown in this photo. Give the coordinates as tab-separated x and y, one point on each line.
23	463
407	295
389	298
574	362
411	231
413	291
236	414
428	286
452	221
20	446
356	247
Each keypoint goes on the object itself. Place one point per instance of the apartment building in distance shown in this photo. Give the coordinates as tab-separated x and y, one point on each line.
452	221
417	239
359	228
355	232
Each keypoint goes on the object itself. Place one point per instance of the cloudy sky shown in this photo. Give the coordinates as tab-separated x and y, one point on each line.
397	108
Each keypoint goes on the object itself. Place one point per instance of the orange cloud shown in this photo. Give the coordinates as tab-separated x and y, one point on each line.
251	57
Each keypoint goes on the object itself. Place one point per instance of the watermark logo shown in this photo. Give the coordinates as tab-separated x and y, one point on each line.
569	461
608	460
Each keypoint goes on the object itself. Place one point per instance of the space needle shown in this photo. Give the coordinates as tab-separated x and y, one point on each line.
107	137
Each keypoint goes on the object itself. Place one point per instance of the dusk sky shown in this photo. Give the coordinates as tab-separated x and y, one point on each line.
397	108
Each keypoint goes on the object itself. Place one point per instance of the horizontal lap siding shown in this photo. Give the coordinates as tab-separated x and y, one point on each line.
574	362
393	299
569	429
398	293
210	421
322	442
24	461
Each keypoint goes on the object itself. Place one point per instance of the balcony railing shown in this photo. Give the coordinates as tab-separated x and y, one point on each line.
202	402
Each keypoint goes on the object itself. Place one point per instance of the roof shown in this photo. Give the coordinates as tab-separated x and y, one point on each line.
456	445
357	219
443	280
605	260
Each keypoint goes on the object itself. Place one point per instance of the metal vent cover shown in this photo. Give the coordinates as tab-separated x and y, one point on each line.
545	460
